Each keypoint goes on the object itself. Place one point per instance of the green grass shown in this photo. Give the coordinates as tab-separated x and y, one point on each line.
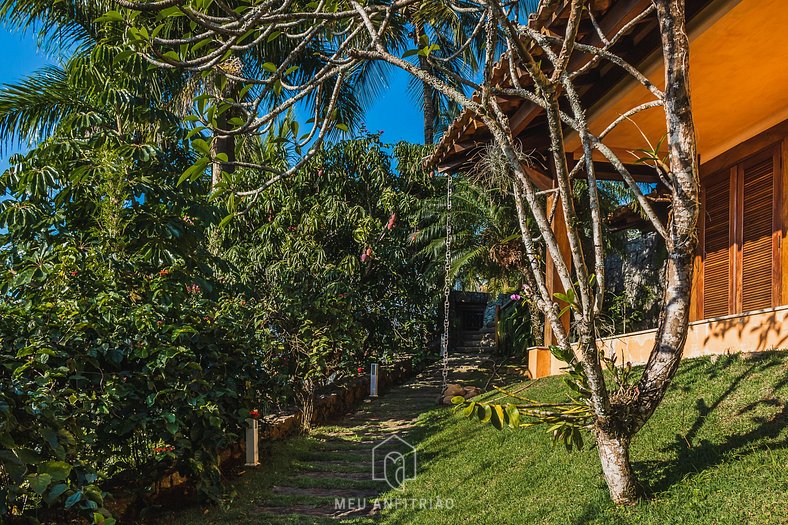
715	452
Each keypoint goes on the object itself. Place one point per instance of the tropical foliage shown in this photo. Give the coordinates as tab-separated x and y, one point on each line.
136	336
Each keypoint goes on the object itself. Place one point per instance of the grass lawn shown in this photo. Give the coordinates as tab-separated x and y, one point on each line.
715	452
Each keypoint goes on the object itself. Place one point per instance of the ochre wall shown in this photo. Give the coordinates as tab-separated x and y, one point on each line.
750	332
738	79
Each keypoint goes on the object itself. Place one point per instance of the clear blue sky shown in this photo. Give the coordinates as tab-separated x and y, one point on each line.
393	112
20	58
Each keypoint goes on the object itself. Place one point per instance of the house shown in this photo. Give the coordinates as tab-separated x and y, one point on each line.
739	87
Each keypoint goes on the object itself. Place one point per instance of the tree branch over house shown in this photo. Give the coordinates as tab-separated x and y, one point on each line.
535	64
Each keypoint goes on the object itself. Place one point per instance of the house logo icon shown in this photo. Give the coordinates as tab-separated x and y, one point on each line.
393	461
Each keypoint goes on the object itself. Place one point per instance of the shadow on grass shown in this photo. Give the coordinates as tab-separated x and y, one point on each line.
693	458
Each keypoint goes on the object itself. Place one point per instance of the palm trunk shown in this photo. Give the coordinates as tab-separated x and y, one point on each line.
427	93
224	145
429	113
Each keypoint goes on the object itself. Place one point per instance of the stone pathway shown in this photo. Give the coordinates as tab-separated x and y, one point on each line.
329	478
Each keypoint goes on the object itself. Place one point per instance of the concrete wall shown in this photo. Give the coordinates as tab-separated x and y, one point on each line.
755	331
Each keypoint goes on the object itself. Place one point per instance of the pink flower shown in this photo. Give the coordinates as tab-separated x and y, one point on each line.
392	221
363	257
188	220
515	297
193	288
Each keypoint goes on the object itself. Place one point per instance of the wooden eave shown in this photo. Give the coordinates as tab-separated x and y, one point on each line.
462	143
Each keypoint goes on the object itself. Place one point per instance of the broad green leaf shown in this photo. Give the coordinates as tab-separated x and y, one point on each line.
514	415
39	482
498	417
58	470
110	16
55	492
485	413
201	146
73	499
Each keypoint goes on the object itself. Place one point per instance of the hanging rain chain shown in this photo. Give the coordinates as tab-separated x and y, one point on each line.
446	288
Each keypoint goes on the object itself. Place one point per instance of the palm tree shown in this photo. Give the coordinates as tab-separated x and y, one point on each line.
72	25
485	235
438	29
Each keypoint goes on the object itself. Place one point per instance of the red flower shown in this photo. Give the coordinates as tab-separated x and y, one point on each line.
361	370
74	273
254	414
392	221
193	288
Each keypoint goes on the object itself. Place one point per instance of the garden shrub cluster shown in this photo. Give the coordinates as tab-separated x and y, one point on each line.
137	335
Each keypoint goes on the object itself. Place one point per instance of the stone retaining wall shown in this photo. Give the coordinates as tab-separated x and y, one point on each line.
330	406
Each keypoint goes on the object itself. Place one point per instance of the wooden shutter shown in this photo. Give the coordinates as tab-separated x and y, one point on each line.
758	208
716	249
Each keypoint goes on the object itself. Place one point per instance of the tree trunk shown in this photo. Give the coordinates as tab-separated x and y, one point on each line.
224	145
614	456
429	113
682	238
427	92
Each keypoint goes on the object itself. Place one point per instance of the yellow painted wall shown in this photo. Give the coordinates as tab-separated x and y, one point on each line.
738	81
750	332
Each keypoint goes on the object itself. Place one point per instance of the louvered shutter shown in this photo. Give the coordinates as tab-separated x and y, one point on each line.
757	227
716	264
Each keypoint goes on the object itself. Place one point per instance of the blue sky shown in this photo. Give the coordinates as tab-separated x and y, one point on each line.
20	58
393	112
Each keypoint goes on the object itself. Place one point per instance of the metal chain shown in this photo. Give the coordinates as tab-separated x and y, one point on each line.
446	288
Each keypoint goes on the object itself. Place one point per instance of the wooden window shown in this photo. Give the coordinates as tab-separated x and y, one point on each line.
758	207
717	247
741	236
